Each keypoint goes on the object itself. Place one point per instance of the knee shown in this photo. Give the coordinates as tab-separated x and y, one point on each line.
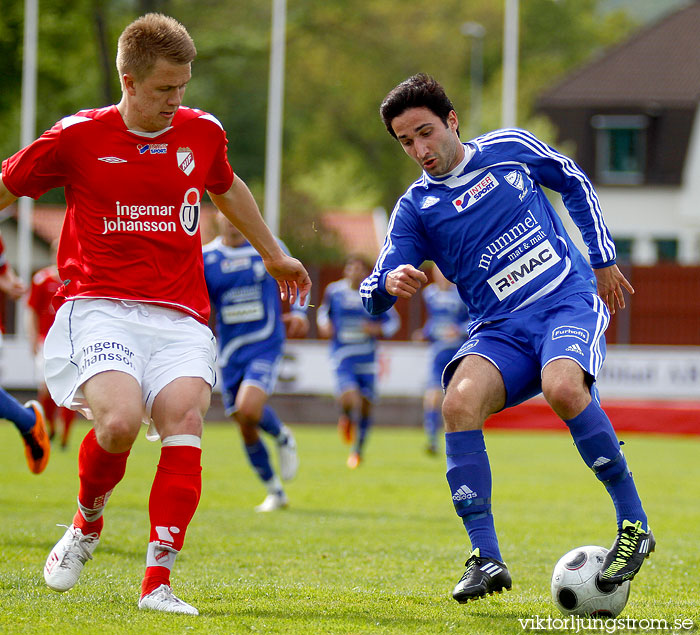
116	431
246	415
459	413
248	425
566	398
190	422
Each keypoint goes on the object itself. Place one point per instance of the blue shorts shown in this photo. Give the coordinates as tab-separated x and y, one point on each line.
354	373
520	348
261	371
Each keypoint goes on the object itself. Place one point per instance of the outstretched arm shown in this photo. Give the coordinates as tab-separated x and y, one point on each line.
239	206
611	283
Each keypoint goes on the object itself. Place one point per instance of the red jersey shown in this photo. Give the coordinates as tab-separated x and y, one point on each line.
45	283
131	230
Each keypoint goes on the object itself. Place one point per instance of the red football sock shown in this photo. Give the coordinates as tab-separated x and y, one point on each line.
99	473
174	498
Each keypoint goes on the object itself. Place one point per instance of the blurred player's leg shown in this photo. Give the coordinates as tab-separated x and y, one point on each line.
67	417
286	444
432	418
49	407
29	421
252	414
363	428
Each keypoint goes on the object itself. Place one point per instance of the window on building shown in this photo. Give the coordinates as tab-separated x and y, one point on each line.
666	249
620	148
623	247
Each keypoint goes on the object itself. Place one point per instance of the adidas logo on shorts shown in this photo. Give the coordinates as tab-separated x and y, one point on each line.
574	348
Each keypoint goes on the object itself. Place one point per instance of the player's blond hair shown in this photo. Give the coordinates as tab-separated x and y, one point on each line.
149	38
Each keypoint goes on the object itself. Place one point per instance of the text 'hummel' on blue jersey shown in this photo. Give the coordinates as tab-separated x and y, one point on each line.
246	300
491	230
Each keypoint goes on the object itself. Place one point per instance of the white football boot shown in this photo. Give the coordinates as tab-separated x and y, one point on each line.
67	558
287	449
163	599
273	501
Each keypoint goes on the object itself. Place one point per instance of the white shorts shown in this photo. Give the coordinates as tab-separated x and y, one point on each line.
153	344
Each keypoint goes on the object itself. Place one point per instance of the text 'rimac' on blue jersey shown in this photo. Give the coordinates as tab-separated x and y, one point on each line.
342	307
491	230
246	301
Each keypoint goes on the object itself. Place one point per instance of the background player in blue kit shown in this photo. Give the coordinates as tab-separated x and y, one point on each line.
538	310
445	328
353	350
250	328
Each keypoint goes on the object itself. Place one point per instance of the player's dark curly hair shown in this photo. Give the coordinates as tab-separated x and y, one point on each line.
418	91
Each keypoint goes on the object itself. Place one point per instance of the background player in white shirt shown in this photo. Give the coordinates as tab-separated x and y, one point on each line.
131	337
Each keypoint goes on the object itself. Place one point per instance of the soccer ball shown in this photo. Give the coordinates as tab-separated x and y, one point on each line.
576	589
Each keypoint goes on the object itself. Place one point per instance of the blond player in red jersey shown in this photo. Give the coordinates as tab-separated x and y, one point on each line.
131	338
42	312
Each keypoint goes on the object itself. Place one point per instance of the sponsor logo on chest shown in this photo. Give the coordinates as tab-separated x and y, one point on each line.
476	192
152	148
523	270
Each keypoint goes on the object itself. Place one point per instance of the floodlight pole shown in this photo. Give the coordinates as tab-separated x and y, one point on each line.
475	32
25	205
510	64
275	106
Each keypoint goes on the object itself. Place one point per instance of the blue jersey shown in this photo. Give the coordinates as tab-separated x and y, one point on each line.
491	230
446	326
342	307
246	301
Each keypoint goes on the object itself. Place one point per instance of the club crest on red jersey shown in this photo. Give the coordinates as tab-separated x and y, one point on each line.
185	160
189	211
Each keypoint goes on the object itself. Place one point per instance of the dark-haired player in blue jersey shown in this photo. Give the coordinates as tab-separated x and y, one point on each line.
250	329
538	309
445	328
353	349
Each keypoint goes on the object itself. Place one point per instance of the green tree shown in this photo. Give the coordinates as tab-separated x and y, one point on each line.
342	58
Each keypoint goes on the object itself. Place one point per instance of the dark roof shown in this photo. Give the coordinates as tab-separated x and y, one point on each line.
659	66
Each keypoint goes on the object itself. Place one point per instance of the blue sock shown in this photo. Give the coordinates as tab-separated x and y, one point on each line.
12	410
469	477
431	423
598	446
260	460
270	422
363	427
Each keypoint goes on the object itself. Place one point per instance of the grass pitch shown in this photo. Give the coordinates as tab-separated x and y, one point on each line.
375	550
